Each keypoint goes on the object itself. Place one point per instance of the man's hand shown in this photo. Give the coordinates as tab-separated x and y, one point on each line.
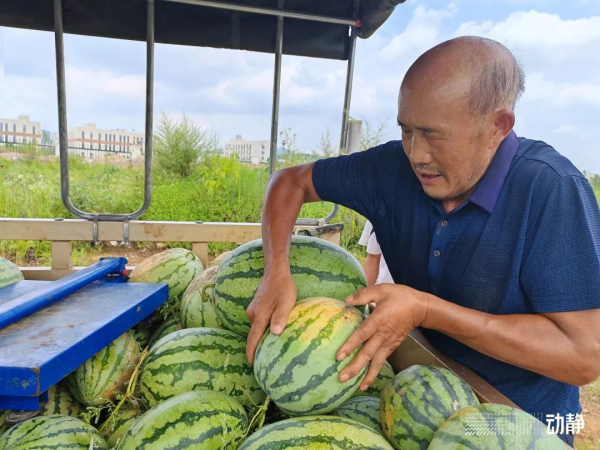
399	310
272	303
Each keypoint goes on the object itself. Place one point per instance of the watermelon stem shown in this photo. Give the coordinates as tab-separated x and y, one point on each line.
205	298
128	394
259	417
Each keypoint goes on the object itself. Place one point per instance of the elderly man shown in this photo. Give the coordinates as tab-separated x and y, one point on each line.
493	240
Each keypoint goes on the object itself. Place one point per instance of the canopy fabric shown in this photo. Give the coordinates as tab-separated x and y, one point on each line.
184	24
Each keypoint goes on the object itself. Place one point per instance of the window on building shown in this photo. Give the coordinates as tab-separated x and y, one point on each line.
91	135
14	127
14	139
83	135
34	130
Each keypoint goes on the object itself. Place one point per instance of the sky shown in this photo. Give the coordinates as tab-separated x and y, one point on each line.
557	42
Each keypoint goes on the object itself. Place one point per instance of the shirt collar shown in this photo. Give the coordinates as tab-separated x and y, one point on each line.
487	192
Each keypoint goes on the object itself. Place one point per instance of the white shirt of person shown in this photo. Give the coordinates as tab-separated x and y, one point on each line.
369	240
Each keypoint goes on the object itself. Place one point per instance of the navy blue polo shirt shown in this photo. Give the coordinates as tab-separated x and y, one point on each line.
526	241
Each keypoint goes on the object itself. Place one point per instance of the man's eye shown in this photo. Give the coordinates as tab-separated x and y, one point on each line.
406	132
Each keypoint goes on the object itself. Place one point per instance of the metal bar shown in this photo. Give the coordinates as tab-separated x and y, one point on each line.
276	92
25	305
349	79
271	12
62	120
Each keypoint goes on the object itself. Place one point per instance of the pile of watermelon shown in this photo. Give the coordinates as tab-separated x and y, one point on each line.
181	379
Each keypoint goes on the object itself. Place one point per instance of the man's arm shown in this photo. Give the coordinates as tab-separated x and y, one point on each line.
287	190
562	346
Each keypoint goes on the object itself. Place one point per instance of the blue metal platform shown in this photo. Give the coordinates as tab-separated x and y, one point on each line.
60	332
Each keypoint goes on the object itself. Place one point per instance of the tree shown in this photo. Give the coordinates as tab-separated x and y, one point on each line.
178	146
288	144
325	149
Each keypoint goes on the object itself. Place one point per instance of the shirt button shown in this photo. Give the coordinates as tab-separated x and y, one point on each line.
436	253
444	223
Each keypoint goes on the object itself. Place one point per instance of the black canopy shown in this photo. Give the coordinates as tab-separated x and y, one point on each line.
186	24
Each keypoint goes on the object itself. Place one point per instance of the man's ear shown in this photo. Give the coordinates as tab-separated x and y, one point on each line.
503	121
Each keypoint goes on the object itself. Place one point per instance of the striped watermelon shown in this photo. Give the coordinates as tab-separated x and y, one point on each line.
97	381
3	426
176	267
53	432
362	409
199	420
418	401
298	369
384	378
493	427
61	401
9	273
114	431
142	336
316	432
194	311
199	359
319	269
167	327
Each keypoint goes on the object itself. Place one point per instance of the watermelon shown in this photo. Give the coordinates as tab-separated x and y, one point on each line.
493	427
61	401
384	378
97	381
195	312
199	359
418	401
115	429
3	426
298	369
176	267
167	327
51	433
199	420
316	432
9	273
362	409
319	269
142	336
219	259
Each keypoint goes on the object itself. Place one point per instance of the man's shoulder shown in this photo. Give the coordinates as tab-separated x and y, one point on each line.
537	161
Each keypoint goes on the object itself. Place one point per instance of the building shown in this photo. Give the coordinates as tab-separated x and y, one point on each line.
20	131
91	142
254	152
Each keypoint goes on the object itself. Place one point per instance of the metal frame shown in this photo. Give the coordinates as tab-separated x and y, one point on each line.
62	121
353	23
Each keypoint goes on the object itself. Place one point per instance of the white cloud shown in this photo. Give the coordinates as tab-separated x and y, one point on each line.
558	95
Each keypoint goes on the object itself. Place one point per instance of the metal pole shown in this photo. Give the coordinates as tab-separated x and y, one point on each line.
349	79
276	91
62	120
269	11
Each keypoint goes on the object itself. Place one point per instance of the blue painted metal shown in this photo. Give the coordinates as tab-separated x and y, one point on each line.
39	350
27	304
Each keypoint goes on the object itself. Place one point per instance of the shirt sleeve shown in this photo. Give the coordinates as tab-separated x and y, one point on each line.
373	246
561	256
358	181
364	237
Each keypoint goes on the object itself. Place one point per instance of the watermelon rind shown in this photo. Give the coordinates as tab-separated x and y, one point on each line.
316	432
298	369
115	429
199	420
195	312
199	359
51	433
9	273
167	327
492	426
176	267
98	380
61	401
384	378
418	401
365	410
319	269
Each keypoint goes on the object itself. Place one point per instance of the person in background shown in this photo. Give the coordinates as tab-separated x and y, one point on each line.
376	269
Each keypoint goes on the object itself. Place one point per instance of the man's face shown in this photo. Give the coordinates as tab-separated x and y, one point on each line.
447	145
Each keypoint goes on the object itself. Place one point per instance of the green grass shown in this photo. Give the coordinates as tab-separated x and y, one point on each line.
220	190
